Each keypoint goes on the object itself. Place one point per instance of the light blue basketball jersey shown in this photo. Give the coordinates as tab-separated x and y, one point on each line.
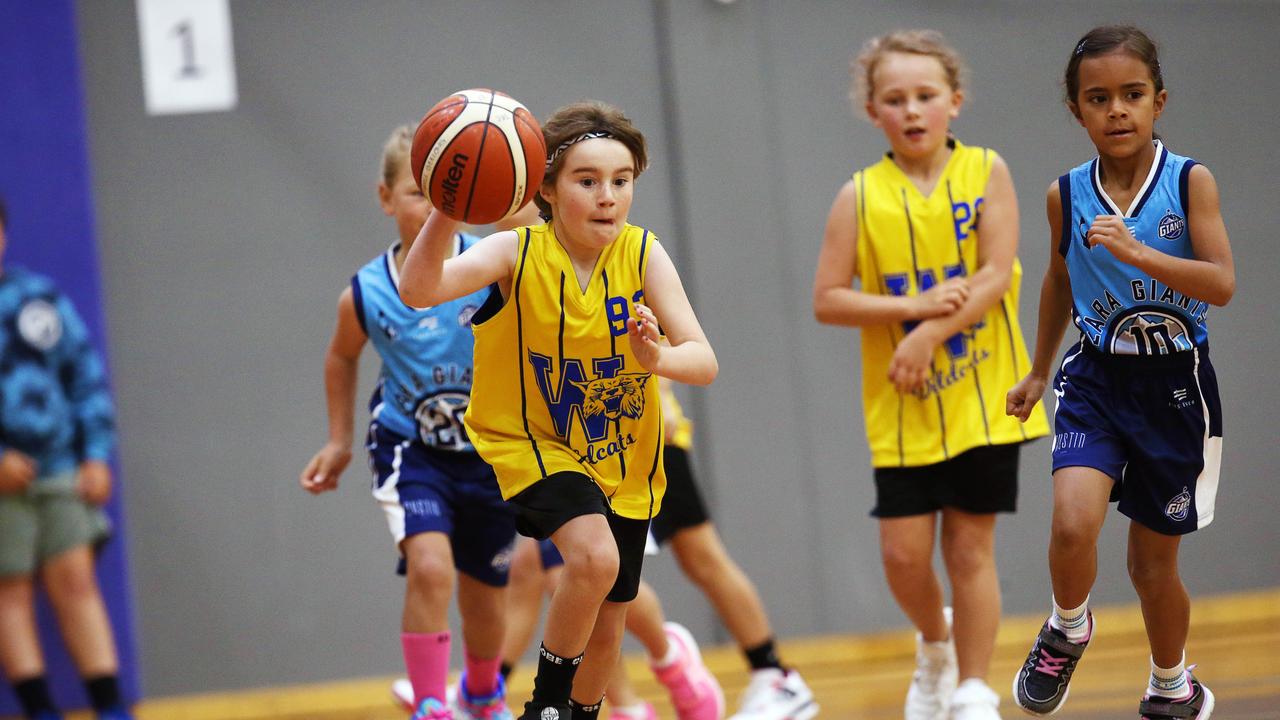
425	383
1118	308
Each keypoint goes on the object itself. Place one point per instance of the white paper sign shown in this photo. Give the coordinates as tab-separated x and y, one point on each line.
188	64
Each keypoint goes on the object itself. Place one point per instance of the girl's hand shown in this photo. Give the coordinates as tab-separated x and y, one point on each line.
910	366
942	299
17	472
93	482
1022	398
642	331
1110	232
322	473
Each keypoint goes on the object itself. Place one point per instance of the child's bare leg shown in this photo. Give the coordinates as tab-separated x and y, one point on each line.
72	586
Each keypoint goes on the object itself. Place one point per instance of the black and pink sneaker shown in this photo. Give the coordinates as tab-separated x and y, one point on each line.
1043	681
1198	706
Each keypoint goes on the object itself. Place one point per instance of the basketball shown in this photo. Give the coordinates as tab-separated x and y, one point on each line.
478	155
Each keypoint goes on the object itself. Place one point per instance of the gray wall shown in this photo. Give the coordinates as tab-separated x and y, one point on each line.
227	237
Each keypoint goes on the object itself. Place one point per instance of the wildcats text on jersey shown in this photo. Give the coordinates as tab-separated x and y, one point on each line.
598	403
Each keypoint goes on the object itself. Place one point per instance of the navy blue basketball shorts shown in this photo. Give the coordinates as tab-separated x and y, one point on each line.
1153	423
422	489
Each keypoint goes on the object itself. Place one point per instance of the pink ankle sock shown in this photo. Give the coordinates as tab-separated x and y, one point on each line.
426	657
482	676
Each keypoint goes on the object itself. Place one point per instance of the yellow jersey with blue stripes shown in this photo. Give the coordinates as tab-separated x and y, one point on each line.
556	386
907	243
673	415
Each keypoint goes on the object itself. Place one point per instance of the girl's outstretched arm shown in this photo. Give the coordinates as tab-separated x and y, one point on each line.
430	277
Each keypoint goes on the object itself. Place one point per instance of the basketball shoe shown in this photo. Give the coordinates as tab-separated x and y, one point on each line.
775	694
1044	680
1196	706
639	711
973	700
488	707
935	677
402	693
432	709
694	691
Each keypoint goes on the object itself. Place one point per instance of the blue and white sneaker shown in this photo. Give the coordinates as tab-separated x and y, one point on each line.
432	709
488	707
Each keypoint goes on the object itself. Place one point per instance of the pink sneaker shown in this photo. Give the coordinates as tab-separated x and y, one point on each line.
641	711
694	691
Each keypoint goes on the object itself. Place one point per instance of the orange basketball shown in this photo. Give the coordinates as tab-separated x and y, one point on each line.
478	155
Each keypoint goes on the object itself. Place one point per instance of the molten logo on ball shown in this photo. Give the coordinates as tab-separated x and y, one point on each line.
452	178
478	155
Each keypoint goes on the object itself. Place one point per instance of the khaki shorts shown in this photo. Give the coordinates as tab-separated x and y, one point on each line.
46	520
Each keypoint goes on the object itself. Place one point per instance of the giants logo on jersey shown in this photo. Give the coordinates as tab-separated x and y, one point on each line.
597	402
1171	225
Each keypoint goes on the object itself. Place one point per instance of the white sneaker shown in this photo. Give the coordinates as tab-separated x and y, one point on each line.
402	693
776	695
974	700
929	696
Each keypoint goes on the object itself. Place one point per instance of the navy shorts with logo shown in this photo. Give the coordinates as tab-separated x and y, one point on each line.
422	489
1153	423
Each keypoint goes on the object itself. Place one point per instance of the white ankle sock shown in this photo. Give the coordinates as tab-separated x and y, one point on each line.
673	654
1073	623
1169	682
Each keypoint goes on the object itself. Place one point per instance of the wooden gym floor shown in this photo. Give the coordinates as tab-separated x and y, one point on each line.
1233	639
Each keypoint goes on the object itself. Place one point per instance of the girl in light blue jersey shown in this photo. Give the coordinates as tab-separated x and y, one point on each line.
442	503
1141	252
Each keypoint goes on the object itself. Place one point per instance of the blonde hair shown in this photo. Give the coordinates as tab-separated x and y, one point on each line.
572	122
395	153
915	42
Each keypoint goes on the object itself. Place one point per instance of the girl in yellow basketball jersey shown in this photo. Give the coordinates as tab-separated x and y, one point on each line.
930	234
564	401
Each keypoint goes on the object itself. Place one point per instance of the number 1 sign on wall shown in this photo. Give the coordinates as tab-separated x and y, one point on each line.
188	64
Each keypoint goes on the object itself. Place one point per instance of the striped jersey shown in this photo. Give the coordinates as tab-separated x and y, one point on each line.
907	243
424	385
673	415
557	387
1118	308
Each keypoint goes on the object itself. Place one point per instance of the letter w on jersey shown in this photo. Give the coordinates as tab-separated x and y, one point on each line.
598	401
900	284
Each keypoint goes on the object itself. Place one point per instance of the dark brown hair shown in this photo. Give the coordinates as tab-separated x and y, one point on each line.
573	121
1107	39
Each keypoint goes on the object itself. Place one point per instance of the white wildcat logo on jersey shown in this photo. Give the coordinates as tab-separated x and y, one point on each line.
550	714
40	325
1179	506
